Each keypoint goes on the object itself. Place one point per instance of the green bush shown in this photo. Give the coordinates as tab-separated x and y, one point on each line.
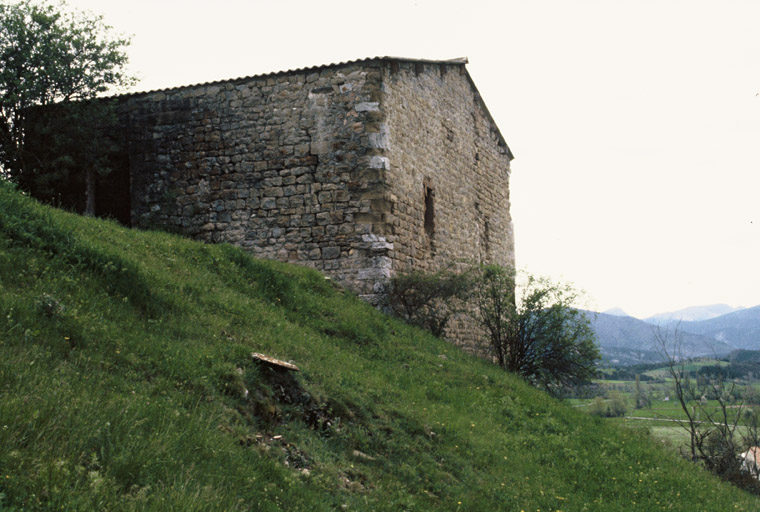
534	329
428	300
612	407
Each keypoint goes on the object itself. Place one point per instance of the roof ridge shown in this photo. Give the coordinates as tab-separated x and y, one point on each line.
457	60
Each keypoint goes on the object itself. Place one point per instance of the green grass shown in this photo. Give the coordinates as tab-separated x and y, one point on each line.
691	366
124	365
672	410
660	417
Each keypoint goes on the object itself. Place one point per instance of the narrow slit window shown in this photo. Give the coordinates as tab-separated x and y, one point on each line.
429	210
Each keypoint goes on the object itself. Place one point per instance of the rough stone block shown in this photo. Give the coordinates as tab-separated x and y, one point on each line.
367	106
379	162
329	253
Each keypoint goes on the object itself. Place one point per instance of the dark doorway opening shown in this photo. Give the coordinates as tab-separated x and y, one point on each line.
112	192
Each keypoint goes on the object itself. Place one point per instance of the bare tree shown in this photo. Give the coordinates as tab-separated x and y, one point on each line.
715	439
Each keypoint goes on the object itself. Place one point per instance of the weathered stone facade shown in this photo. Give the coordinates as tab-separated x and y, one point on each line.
360	169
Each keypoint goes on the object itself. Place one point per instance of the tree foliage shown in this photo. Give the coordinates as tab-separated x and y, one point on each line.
534	329
613	406
50	56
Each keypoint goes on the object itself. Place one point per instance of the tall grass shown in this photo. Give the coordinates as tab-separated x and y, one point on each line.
126	383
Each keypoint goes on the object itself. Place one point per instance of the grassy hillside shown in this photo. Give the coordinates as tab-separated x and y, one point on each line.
126	383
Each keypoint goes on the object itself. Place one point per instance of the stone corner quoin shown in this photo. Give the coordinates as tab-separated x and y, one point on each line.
361	169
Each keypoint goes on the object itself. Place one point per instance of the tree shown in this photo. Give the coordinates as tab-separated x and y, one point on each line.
534	330
49	57
716	433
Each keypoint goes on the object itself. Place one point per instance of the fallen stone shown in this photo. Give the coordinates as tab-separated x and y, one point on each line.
275	362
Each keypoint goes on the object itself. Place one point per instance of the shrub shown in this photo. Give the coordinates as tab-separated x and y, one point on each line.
428	300
534	329
612	407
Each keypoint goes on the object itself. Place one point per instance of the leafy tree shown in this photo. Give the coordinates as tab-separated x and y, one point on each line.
534	330
48	56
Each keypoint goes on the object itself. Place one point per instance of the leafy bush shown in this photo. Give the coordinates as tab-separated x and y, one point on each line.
536	333
534	330
428	300
612	407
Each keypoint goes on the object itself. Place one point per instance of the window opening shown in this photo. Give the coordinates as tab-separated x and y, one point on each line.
429	210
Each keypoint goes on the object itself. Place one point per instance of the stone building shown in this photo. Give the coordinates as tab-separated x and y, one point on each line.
360	169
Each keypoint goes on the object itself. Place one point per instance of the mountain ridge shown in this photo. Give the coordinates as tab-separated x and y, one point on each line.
693	313
628	340
740	328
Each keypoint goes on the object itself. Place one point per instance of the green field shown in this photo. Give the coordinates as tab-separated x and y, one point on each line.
690	366
663	414
127	383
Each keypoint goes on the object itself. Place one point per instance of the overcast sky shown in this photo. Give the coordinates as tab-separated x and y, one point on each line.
635	124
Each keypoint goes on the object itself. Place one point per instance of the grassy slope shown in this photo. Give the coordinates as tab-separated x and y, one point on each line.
123	358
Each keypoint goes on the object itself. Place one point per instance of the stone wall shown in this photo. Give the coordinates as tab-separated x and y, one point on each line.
443	145
279	165
360	170
448	176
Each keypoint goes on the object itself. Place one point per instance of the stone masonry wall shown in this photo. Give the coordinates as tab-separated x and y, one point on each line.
448	176
360	170
280	165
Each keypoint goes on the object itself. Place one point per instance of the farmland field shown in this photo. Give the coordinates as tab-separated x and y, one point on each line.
661	413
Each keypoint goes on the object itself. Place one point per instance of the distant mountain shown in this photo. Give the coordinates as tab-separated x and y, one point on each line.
692	314
627	340
615	312
740	329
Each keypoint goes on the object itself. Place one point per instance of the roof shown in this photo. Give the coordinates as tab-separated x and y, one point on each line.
753	454
456	61
459	60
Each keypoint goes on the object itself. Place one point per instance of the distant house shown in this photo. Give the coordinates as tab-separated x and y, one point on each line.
751	461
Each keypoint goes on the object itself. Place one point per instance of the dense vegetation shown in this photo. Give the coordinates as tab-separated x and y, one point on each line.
126	383
58	59
527	323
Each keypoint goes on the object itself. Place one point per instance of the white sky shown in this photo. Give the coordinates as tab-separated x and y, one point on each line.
635	123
